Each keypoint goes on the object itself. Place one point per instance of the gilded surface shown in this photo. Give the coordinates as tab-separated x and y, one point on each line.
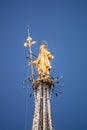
42	63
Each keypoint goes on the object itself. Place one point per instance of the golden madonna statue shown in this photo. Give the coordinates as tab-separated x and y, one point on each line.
42	63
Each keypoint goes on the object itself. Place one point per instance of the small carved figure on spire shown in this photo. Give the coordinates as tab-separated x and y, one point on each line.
42	63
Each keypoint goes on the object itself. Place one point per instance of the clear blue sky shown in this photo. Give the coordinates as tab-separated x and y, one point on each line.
63	24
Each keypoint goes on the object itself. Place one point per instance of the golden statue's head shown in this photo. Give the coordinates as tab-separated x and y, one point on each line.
43	47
